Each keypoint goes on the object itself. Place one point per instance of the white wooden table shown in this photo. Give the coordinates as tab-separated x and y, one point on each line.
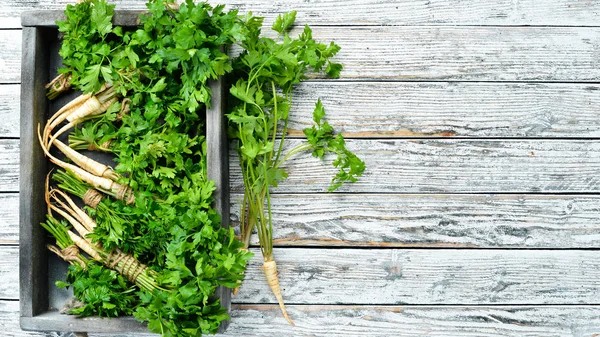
479	212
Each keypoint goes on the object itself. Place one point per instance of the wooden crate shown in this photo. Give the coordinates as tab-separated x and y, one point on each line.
39	297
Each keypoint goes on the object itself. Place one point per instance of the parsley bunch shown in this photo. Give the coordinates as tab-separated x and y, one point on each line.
265	75
162	68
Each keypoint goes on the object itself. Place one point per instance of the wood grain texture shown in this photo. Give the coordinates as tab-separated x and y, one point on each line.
378	12
420	220
9	165
436	12
9	110
429	53
10	56
343	321
430	109
448	109
488	221
408	276
9	213
345	220
424	166
9	321
451	166
9	272
466	53
436	49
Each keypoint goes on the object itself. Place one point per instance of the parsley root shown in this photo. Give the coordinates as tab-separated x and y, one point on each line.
270	269
105	185
84	106
77	213
63	112
76	106
86	163
92	107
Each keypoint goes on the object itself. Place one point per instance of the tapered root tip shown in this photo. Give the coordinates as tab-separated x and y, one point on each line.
287	318
270	269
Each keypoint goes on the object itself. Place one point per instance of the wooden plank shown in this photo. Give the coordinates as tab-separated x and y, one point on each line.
9	272
218	168
424	166
9	165
9	213
33	168
436	12
413	220
442	109
450	166
430	53
9	110
10	56
341	321
337	320
378	12
421	220
408	276
466	53
425	109
344	220
422	276
49	18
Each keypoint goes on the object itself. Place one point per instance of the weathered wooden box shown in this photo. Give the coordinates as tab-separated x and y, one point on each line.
39	269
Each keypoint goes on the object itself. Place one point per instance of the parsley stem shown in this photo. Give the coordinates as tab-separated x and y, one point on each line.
283	133
297	149
256	72
275	117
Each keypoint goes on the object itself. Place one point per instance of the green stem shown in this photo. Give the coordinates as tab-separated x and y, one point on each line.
246	231
283	133
270	218
297	149
275	118
266	242
256	71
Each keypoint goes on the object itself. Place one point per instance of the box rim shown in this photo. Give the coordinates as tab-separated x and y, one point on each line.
33	23
48	18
